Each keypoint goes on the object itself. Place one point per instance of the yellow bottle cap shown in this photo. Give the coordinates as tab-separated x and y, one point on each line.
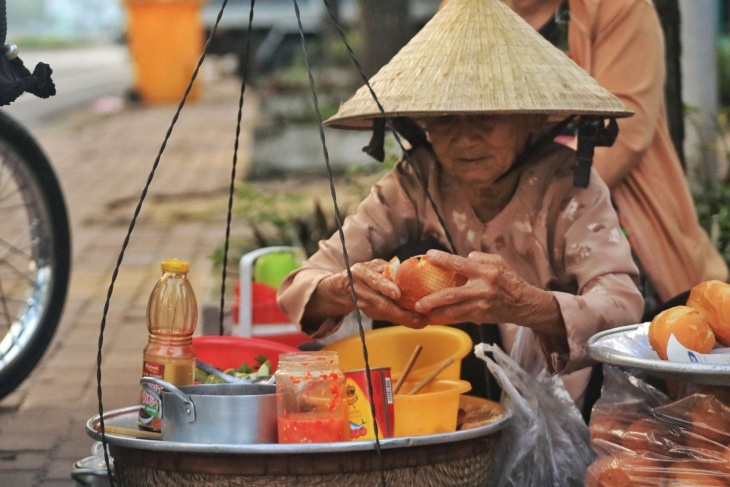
175	265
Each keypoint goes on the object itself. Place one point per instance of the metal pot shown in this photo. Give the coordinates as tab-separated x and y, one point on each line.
91	471
226	414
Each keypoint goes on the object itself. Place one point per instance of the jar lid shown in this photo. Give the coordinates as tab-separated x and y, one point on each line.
317	360
175	265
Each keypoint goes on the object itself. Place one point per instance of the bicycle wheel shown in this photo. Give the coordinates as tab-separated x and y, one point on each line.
35	253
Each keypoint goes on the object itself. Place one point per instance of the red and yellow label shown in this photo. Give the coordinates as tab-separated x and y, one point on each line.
359	411
176	374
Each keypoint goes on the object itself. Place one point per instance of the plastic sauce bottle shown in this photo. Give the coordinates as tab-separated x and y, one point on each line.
172	314
310	398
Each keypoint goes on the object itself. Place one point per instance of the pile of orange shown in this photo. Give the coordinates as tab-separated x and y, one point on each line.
704	320
686	442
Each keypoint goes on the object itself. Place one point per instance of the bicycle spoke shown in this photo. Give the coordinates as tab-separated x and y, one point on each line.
34	253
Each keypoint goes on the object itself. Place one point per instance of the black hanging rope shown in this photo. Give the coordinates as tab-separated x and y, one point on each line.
397	125
231	188
375	149
127	237
338	217
390	122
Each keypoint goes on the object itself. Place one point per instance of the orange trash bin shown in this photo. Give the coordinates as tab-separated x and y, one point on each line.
165	39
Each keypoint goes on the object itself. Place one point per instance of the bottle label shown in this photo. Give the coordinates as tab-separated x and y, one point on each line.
176	374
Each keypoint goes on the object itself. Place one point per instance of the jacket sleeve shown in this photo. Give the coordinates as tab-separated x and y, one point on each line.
596	256
385	219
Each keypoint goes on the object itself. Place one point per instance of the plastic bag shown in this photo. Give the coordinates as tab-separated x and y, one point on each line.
646	437
546	443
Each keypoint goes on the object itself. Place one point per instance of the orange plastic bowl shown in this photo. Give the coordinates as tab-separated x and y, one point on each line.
431	410
226	352
393	346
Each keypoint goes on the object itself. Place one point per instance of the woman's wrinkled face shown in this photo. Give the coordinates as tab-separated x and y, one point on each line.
478	149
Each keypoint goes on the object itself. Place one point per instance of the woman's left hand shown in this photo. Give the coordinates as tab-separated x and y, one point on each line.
494	293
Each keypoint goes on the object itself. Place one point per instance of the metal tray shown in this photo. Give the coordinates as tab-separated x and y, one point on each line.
127	418
606	347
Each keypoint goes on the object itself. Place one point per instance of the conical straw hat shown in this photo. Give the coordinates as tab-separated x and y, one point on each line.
478	57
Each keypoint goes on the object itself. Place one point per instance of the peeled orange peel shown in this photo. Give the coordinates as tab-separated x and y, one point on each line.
688	326
712	300
697	326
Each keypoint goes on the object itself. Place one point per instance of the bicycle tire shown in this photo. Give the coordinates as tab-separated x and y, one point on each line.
35	253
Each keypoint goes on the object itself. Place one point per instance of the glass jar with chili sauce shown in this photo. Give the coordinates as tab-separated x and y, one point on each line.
310	398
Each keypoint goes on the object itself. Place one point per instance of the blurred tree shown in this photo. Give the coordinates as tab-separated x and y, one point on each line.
329	28
384	31
723	69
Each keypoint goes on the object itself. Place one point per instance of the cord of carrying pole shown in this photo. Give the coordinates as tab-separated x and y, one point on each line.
127	237
138	208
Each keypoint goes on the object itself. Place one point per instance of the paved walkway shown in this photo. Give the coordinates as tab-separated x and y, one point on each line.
103	156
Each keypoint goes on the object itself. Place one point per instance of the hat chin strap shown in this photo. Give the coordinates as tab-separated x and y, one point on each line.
592	133
534	146
405	126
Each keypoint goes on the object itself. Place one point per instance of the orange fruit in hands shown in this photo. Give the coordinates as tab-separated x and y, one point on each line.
687	325
417	277
712	300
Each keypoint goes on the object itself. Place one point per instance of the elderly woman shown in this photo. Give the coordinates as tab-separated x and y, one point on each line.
539	243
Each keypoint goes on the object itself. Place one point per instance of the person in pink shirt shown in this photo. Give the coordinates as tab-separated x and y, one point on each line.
620	43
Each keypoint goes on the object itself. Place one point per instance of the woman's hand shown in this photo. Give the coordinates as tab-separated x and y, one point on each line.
376	296
494	293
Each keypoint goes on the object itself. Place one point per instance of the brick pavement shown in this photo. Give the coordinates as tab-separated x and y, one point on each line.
103	161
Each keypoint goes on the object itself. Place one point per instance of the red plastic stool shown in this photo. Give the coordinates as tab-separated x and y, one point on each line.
262	317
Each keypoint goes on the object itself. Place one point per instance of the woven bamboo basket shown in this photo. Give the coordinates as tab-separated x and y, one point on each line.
466	463
463	458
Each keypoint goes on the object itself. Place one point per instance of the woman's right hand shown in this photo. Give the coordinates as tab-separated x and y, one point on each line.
376	294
